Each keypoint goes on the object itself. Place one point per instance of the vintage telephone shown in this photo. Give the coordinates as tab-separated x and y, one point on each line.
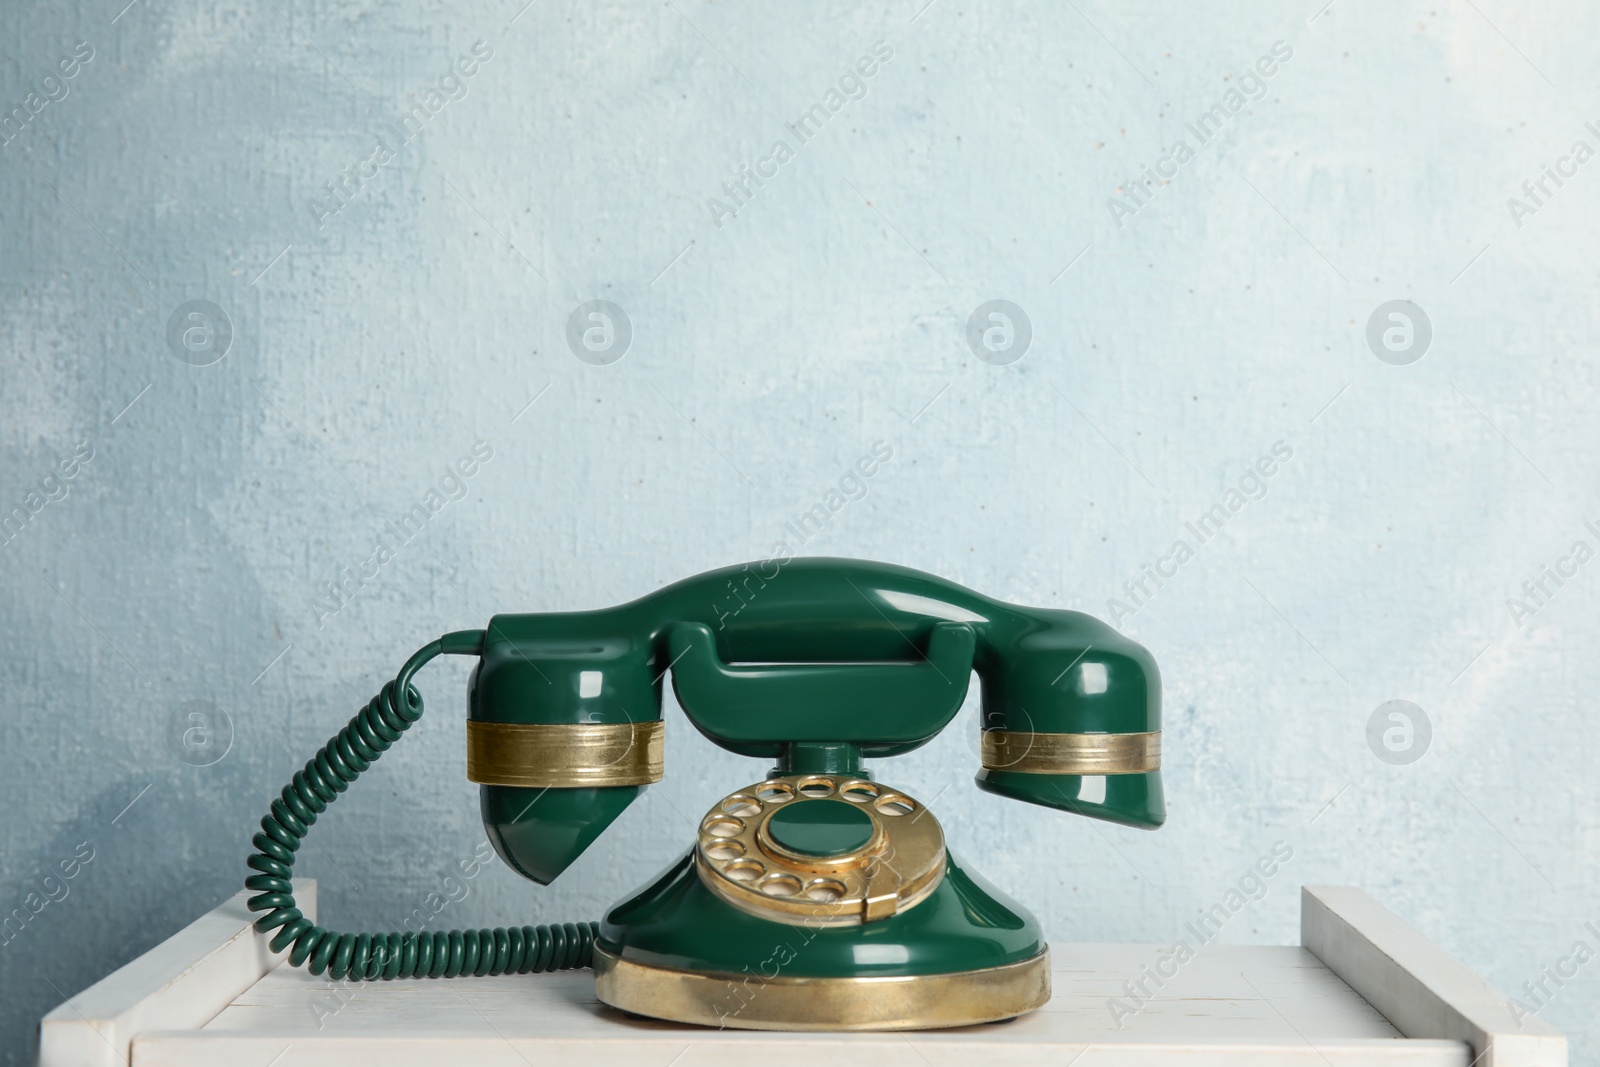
817	898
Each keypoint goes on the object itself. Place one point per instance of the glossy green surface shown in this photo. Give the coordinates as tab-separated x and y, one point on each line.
821	827
539	832
1054	669
677	922
813	663
820	757
1129	799
752	706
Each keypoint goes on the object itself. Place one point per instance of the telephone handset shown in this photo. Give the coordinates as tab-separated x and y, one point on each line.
816	898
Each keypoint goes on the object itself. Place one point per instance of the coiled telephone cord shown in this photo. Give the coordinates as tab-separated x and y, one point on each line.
430	954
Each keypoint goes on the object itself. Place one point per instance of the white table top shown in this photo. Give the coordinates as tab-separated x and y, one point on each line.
1277	996
214	994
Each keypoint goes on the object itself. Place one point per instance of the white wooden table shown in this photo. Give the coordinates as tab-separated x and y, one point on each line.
1362	988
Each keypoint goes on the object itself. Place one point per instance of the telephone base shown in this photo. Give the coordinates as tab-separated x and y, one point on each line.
752	1002
964	954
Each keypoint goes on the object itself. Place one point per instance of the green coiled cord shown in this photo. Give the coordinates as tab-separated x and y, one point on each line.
430	954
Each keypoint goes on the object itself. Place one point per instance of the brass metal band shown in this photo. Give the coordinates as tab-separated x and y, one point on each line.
564	755
751	1001
1033	753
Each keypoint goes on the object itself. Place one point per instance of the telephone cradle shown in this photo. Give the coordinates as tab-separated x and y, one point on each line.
816	898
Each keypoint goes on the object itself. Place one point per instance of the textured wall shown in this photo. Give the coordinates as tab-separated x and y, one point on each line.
394	246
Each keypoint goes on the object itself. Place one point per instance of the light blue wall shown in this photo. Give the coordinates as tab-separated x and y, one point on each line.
1171	346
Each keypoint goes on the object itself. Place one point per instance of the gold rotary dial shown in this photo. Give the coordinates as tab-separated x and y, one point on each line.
776	850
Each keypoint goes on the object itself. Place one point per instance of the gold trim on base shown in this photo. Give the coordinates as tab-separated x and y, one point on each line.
750	1002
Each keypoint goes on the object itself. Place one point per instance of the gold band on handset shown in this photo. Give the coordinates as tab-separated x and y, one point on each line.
1039	753
564	755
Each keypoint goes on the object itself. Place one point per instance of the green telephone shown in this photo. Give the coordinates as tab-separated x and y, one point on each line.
817	898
